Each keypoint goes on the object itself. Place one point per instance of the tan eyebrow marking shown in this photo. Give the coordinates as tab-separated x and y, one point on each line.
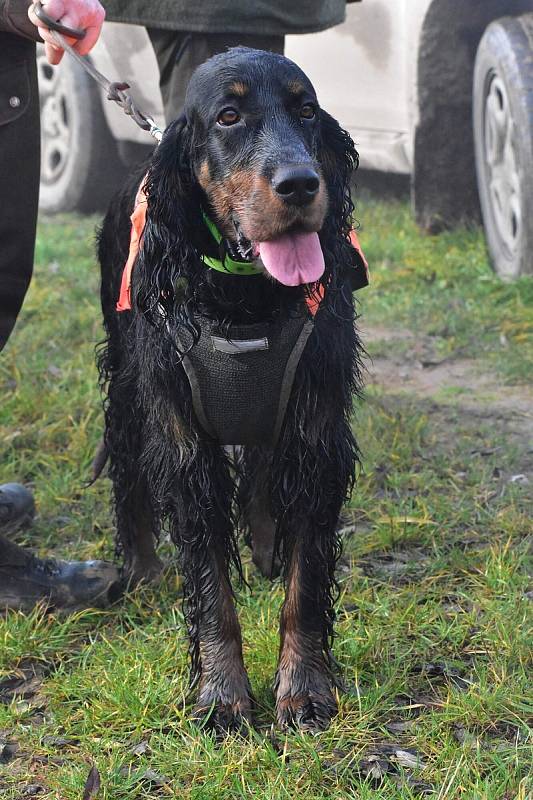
295	87
239	88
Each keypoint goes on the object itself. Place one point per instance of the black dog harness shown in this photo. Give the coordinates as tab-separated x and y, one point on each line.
241	378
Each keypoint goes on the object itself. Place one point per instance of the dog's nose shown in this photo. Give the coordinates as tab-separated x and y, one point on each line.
296	185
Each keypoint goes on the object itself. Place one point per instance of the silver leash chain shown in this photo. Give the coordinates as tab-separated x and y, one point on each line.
115	91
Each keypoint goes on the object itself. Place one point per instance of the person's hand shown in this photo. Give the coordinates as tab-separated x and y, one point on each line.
86	14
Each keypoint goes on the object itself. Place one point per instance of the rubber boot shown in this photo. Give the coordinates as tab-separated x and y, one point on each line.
26	580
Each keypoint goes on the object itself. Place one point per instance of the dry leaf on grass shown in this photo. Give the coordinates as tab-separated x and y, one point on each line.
153	778
415	785
147	777
415	703
22	684
442	671
463	736
92	784
32	790
381	759
59	742
56	761
399	726
141	749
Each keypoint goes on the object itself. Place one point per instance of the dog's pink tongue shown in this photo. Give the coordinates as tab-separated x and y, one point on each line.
293	258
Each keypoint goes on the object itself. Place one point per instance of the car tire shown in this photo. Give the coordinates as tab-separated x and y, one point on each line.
503	139
80	165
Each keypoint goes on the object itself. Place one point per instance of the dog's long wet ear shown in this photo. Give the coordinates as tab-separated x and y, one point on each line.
171	191
339	159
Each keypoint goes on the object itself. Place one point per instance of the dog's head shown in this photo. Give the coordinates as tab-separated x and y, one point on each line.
254	149
256	117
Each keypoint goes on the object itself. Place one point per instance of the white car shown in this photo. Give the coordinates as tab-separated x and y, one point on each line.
436	89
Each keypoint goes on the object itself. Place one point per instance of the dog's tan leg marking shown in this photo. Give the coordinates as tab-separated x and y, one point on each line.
303	687
224	695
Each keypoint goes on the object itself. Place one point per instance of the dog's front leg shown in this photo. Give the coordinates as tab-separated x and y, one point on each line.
224	695
308	520
312	473
203	529
304	696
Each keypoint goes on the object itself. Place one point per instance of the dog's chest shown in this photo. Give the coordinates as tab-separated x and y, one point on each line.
241	377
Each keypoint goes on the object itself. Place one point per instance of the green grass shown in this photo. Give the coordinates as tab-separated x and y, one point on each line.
434	625
442	287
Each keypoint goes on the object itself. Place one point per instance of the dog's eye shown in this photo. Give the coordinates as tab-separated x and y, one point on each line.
228	117
307	111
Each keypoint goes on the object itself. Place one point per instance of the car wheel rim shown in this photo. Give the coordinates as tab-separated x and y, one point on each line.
501	164
56	121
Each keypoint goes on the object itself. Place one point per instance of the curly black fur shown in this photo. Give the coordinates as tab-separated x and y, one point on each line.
167	471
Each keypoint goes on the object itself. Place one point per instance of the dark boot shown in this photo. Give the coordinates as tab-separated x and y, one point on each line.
26	580
17	507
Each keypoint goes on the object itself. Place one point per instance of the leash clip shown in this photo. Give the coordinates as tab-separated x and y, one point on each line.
118	94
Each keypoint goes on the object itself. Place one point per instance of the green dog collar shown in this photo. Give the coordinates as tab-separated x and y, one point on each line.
228	265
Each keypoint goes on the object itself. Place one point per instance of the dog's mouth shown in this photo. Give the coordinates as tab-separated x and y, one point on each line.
293	258
241	247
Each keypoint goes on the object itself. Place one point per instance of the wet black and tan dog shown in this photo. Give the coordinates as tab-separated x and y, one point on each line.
247	234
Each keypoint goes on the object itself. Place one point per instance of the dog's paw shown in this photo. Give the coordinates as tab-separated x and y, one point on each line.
224	704
306	702
224	718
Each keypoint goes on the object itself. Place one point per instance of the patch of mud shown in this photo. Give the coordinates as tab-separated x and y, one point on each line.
456	380
455	387
398	567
